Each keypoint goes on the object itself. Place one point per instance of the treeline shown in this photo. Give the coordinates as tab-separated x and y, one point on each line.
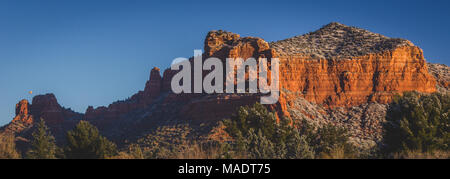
417	127
83	142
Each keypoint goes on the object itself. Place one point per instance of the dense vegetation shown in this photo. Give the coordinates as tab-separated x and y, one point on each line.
417	127
259	135
86	142
83	142
43	144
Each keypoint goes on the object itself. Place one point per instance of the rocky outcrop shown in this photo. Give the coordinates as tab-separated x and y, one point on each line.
154	85
22	121
48	108
22	115
224	45
442	74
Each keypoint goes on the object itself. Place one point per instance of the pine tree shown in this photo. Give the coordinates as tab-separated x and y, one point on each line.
43	145
418	122
85	142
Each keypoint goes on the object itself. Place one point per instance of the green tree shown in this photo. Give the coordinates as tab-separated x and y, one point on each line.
418	122
43	144
257	133
248	117
85	142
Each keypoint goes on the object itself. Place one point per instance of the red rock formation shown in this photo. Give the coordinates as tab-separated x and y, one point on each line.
22	115
44	107
229	45
334	82
217	43
154	85
333	76
47	108
373	77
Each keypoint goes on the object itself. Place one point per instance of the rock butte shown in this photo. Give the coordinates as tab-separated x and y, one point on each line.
336	66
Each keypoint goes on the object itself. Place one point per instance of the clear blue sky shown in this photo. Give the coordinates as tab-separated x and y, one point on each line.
94	52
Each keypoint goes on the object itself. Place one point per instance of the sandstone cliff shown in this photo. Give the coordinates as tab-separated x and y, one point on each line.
346	66
334	66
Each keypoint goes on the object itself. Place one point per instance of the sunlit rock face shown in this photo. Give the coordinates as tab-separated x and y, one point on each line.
335	66
22	114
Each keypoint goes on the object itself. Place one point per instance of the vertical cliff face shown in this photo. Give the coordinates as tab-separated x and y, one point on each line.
22	115
368	78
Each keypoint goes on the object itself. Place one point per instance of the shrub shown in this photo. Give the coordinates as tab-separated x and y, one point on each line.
256	117
298	147
418	123
8	147
166	142
43	143
435	154
258	135
85	142
134	151
259	147
329	141
172	142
